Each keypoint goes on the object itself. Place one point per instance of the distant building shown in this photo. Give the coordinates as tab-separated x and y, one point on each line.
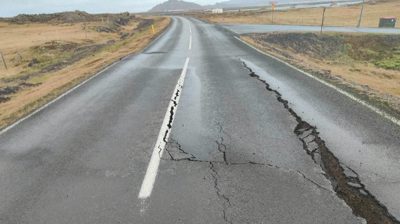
334	4
388	22
218	11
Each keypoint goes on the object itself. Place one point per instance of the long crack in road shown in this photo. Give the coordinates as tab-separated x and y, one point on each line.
345	181
348	188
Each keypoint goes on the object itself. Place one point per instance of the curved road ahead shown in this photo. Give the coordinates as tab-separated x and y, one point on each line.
232	155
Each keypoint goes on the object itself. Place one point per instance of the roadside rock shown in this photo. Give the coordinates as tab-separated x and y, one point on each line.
110	42
4	99
9	90
144	23
103	29
124	35
33	62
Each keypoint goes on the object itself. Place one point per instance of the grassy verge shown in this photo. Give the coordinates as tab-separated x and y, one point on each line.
340	60
346	16
55	83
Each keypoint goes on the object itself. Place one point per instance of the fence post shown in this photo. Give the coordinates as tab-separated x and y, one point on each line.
4	62
19	55
272	16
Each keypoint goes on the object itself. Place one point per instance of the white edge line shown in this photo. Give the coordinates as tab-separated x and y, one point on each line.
152	169
362	102
77	86
190	27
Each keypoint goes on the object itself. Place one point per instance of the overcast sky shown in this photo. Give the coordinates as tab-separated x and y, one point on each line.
9	8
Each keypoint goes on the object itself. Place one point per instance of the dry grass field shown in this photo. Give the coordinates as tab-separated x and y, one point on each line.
346	16
66	55
368	64
24	38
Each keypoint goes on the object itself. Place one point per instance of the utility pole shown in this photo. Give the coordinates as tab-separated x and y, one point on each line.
323	18
362	9
19	55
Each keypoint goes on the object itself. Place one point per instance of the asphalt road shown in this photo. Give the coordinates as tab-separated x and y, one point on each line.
232	155
257	28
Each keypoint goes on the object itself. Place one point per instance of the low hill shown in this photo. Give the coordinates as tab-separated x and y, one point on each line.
65	17
175	5
72	17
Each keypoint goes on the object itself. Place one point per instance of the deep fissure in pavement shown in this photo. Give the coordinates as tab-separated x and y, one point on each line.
171	115
346	183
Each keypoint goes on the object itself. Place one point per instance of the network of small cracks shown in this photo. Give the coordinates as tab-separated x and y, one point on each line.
312	144
221	147
220	194
307	135
214	173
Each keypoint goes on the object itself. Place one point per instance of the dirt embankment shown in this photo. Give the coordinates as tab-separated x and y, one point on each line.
365	64
58	54
45	60
68	53
73	53
380	50
109	22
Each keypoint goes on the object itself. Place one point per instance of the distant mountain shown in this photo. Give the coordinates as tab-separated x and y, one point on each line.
175	5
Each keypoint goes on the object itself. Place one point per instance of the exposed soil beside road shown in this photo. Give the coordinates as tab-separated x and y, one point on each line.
49	68
365	64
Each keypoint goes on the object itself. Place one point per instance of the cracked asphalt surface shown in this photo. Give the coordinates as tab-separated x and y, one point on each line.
237	150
